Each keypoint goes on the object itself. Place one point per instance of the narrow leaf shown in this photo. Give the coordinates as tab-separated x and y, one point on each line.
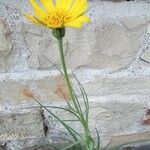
98	140
74	144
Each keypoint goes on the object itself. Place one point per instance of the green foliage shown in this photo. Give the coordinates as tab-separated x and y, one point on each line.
83	141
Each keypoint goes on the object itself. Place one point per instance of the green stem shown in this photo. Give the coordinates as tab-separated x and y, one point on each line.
60	43
89	140
76	104
59	34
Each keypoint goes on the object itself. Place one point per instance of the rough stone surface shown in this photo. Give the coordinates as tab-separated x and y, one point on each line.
110	57
28	144
146	48
146	119
119	100
109	85
130	138
27	123
6	47
104	44
49	88
110	43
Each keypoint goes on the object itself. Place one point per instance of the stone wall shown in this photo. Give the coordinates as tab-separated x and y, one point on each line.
110	56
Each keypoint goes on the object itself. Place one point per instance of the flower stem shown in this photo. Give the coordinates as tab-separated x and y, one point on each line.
59	34
60	43
89	139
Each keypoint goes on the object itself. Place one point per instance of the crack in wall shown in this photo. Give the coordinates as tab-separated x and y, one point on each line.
45	123
3	146
139	60
144	47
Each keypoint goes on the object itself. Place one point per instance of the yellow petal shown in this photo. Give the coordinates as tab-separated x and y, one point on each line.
78	23
48	4
68	4
60	4
74	24
75	4
35	5
64	4
80	9
38	11
31	18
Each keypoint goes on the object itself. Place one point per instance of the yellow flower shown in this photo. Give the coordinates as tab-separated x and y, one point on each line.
59	13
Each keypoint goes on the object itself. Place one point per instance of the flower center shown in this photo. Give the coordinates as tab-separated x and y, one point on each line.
56	19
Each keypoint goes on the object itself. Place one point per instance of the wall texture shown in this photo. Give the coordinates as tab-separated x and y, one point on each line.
110	56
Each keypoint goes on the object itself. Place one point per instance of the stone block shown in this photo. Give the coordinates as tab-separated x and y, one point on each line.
117	84
50	86
111	115
103	43
46	86
110	41
21	124
6	47
98	45
117	104
29	144
128	139
47	89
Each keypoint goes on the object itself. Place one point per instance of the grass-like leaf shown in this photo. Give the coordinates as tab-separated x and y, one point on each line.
98	140
70	130
72	145
84	96
65	109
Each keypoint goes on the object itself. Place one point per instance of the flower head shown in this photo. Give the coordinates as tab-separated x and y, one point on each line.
59	13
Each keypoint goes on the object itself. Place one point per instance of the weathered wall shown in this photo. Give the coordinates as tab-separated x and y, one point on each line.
110	56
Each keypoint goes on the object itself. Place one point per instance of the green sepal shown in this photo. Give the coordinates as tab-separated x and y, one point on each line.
59	33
